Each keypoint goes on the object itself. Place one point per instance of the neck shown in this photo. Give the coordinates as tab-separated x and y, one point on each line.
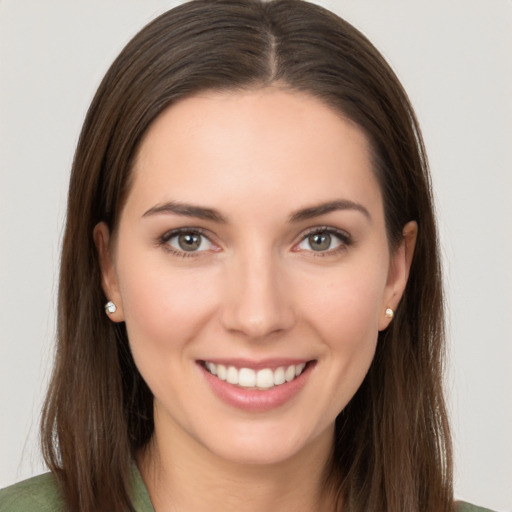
185	477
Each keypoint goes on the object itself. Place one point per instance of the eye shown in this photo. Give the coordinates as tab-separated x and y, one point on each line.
324	240
187	241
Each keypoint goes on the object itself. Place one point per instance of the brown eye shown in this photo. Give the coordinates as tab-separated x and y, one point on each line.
189	241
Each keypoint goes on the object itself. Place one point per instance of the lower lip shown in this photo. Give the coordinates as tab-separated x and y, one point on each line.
255	400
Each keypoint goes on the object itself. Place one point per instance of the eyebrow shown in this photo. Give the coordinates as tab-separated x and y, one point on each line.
187	210
201	212
325	208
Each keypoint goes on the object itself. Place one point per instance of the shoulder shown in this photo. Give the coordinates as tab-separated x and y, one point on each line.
42	494
38	494
462	506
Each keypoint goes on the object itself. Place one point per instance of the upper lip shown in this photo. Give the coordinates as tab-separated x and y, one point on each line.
272	363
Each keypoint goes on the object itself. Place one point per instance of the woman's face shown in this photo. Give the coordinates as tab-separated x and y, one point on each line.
252	245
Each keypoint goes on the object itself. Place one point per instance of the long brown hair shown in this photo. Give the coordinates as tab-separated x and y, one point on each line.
392	450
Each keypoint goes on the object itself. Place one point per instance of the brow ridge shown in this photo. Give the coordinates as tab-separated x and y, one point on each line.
187	210
201	212
328	207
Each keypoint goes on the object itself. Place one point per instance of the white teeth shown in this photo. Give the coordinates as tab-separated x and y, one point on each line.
211	368
221	372
279	376
232	375
289	373
265	378
247	378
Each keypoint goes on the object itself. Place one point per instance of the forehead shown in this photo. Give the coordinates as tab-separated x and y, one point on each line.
272	143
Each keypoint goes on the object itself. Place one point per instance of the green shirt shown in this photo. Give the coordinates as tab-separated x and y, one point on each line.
42	494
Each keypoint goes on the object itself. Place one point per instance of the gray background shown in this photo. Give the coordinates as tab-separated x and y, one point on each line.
454	58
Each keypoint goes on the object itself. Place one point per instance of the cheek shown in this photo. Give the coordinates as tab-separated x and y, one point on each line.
163	308
349	323
164	313
344	314
348	305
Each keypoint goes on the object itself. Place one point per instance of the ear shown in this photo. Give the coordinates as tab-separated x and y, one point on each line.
399	268
109	283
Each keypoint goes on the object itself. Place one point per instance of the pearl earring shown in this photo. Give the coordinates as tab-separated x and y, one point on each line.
110	307
390	313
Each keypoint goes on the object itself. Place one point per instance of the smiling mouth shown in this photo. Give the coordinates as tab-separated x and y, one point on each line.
262	379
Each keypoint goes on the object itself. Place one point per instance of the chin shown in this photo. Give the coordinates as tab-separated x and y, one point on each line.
272	445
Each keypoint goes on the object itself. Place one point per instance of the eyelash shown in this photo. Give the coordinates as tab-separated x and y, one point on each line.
344	238
164	241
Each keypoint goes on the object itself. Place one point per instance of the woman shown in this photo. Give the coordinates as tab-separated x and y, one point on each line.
250	302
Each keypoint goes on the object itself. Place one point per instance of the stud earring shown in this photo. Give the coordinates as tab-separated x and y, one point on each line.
110	307
390	313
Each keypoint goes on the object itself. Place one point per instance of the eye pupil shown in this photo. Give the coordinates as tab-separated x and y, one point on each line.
320	241
189	241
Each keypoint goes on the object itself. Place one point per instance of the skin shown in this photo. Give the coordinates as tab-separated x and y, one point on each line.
255	289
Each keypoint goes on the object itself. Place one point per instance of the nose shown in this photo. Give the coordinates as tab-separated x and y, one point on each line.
258	303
